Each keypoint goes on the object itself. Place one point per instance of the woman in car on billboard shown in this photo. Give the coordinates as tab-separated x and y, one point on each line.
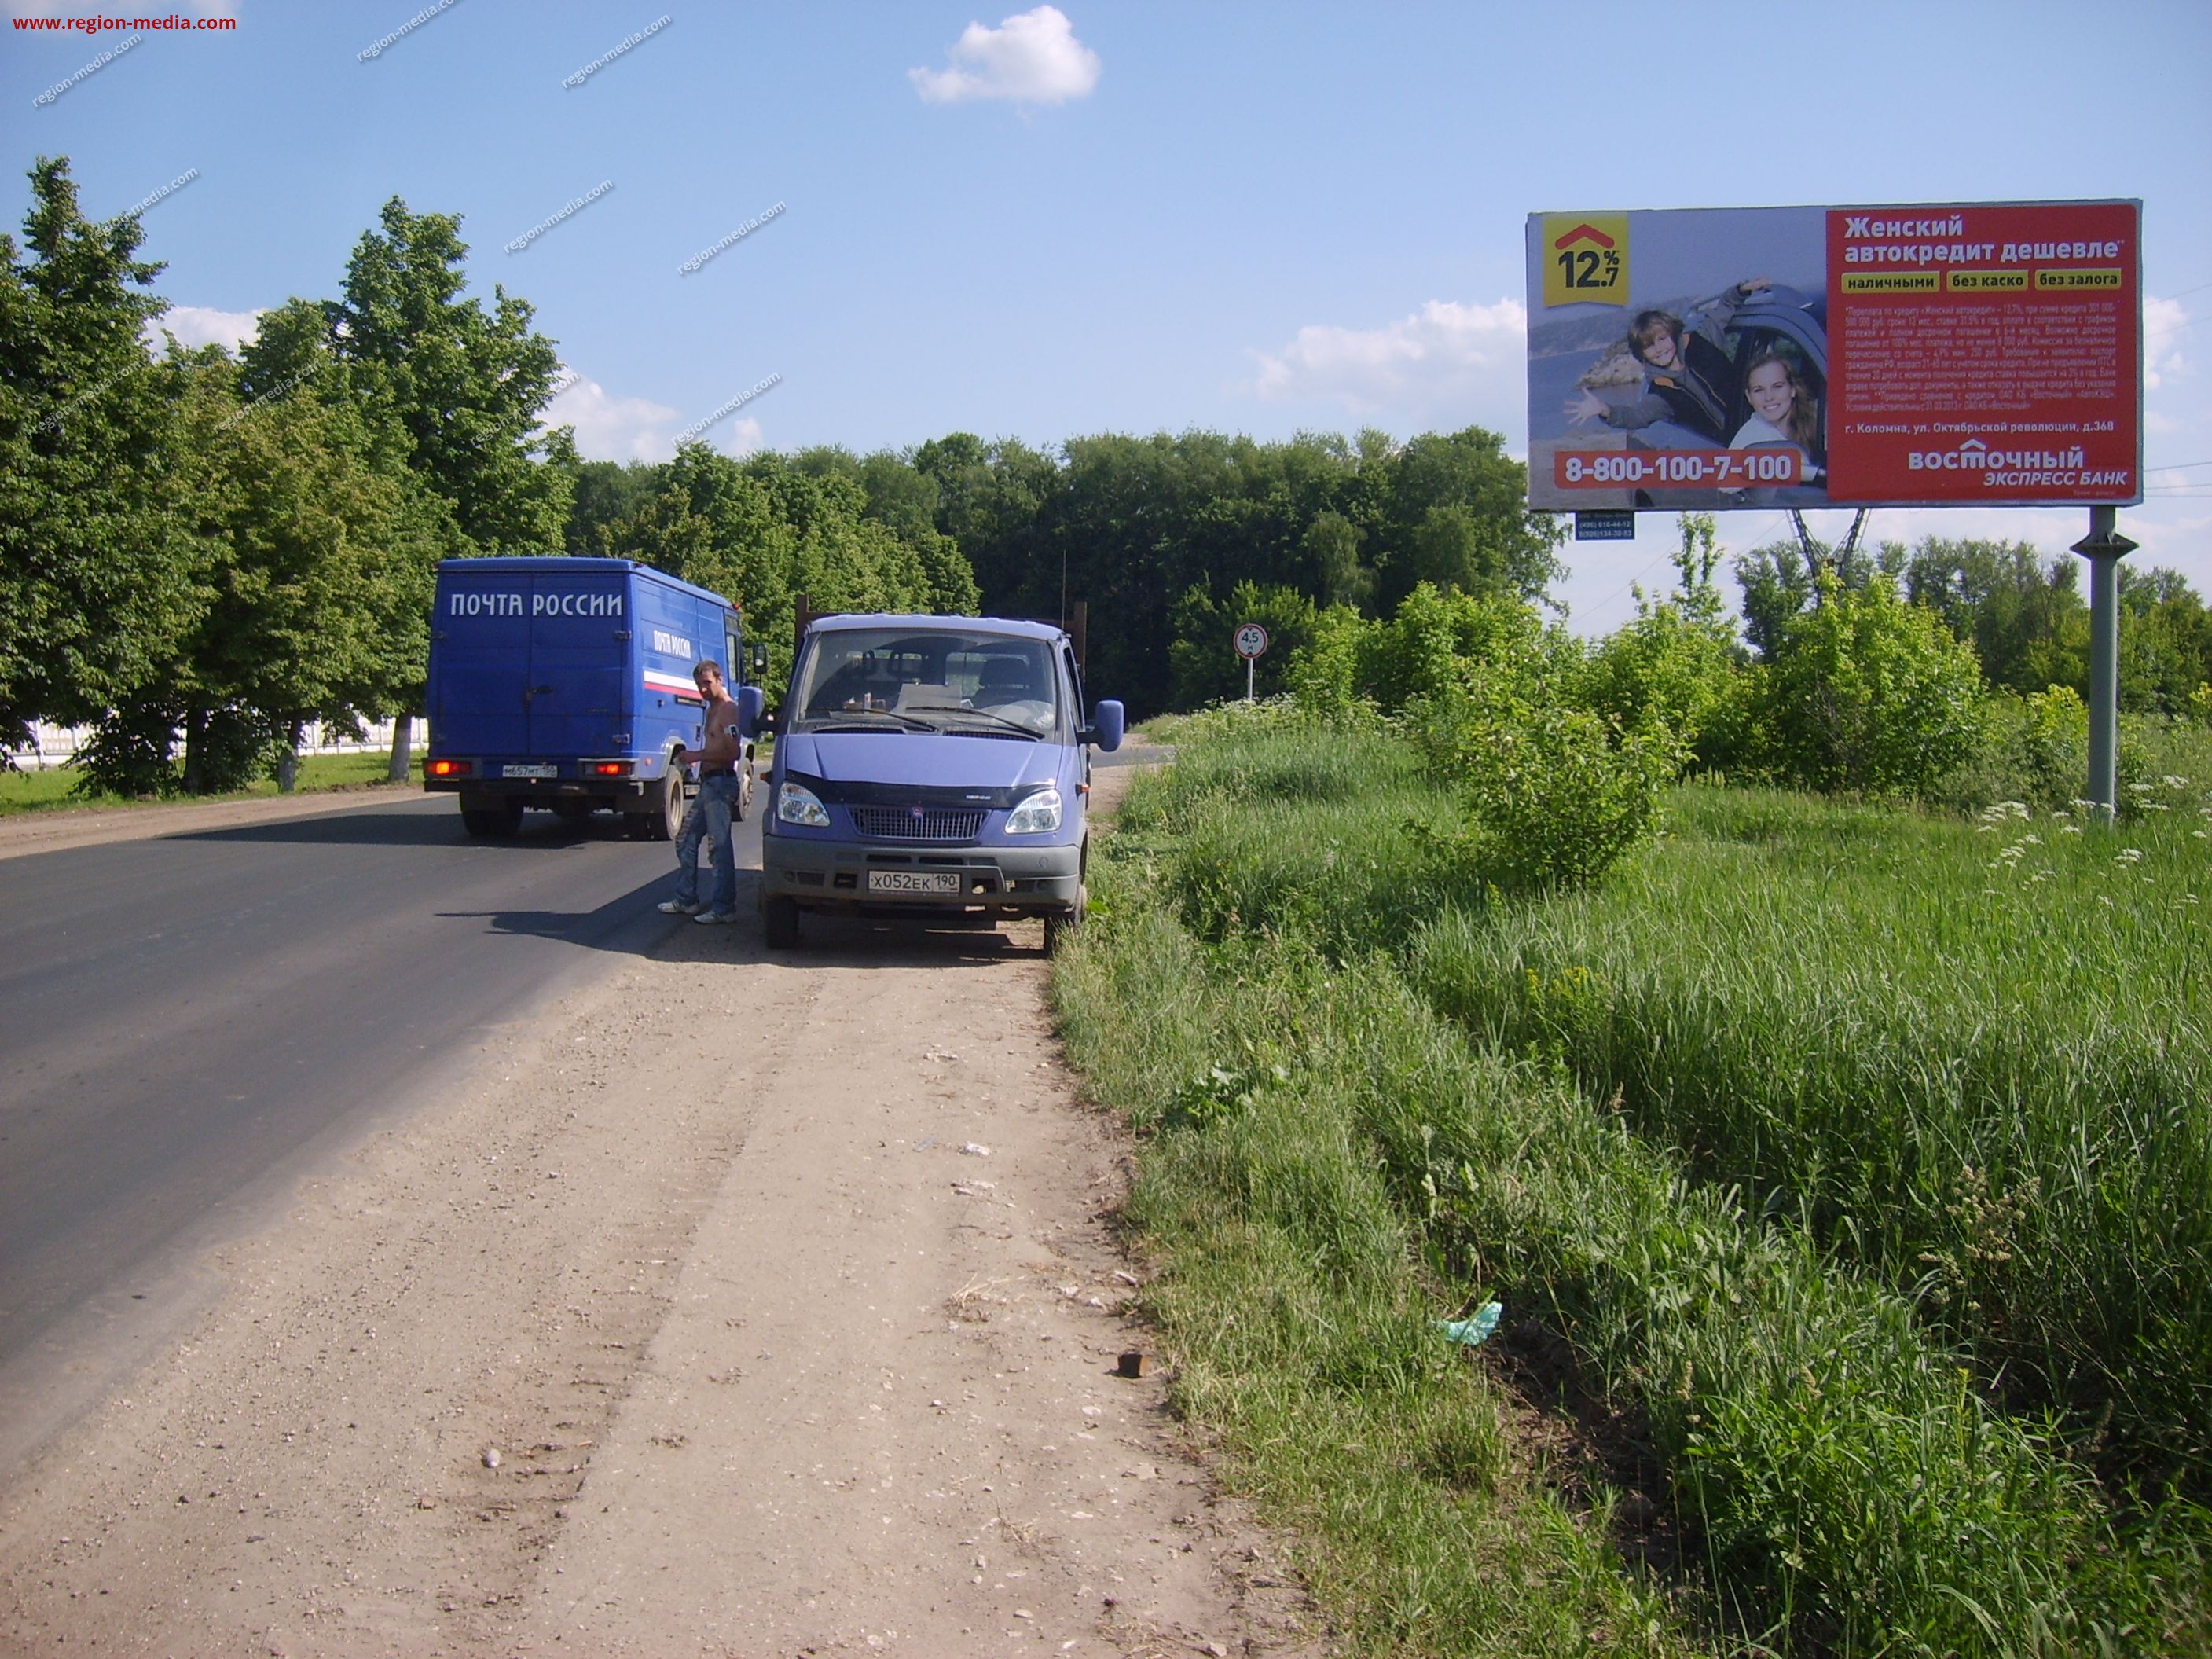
1687	372
1783	411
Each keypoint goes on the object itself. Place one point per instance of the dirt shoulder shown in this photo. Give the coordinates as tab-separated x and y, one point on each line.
743	1305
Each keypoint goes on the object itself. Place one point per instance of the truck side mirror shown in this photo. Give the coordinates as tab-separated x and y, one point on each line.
1107	726
760	658
750	705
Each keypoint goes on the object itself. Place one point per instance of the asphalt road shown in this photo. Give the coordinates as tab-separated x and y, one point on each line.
190	1024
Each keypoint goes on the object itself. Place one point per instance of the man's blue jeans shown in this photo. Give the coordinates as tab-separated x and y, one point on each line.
708	820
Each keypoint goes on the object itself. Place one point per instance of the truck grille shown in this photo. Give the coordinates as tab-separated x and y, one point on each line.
917	823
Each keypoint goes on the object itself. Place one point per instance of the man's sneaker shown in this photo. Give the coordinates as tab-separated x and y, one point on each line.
677	908
713	918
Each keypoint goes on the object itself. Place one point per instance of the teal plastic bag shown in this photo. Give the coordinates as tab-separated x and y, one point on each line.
1474	1330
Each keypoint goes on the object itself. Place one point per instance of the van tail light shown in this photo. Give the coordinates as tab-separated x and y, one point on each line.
611	768
448	768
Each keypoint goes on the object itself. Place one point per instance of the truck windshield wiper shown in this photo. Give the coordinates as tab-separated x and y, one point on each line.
1013	728
872	721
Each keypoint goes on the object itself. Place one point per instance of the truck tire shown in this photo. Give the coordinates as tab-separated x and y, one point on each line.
663	818
779	924
501	817
573	812
1059	925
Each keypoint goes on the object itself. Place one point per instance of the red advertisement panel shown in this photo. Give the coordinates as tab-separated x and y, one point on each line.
1985	356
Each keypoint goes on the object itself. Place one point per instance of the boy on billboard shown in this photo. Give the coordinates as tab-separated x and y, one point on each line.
1687	373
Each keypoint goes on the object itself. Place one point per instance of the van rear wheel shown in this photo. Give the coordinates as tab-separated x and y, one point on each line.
663	818
500	818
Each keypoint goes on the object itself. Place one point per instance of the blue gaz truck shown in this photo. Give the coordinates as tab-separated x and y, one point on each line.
932	768
566	685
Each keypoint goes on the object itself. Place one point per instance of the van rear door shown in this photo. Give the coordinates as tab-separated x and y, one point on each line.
480	703
580	654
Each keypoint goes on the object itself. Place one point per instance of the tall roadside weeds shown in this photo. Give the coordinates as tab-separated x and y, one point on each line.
1790	1451
1976	1058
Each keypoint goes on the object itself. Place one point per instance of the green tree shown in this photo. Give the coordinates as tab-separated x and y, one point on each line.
466	385
1673	669
1332	567
2019	612
1868	693
100	576
1457	516
1778	583
990	503
602	494
904	499
322	602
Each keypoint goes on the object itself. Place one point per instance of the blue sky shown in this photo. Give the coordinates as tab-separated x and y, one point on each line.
1112	216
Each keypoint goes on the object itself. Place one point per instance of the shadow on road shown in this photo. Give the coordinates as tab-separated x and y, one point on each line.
415	828
851	941
617	925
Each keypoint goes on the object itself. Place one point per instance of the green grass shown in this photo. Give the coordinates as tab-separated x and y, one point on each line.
1331	1163
54	790
1976	1057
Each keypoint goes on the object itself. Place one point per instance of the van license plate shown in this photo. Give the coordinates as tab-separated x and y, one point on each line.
530	771
914	881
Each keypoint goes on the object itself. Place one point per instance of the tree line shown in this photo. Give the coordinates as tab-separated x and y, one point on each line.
201	551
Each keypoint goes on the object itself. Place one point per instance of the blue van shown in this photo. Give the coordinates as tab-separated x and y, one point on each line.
565	683
931	766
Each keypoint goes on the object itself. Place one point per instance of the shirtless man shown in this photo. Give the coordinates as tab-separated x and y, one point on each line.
721	763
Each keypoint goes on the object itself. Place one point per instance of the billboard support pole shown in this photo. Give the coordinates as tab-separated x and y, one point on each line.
1851	536
1811	549
2103	547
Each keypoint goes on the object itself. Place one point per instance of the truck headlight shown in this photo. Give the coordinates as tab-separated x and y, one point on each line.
795	804
1036	816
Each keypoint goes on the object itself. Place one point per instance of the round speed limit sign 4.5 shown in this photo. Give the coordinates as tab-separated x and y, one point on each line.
1251	640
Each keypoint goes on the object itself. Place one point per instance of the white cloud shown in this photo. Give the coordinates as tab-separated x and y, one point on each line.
1466	358
2163	322
744	437
612	428
1032	57
199	325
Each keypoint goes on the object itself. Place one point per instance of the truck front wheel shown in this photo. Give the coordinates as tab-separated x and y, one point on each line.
779	924
1059	925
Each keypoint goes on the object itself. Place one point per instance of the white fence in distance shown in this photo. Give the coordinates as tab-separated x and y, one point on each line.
56	746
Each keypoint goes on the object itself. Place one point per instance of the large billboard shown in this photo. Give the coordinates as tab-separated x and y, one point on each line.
1987	355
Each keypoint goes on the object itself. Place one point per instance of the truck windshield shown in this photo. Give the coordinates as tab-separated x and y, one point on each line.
928	680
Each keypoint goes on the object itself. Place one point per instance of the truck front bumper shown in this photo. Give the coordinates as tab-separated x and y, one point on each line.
866	878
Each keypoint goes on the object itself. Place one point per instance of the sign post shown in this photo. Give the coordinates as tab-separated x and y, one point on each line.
1251	645
2103	547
